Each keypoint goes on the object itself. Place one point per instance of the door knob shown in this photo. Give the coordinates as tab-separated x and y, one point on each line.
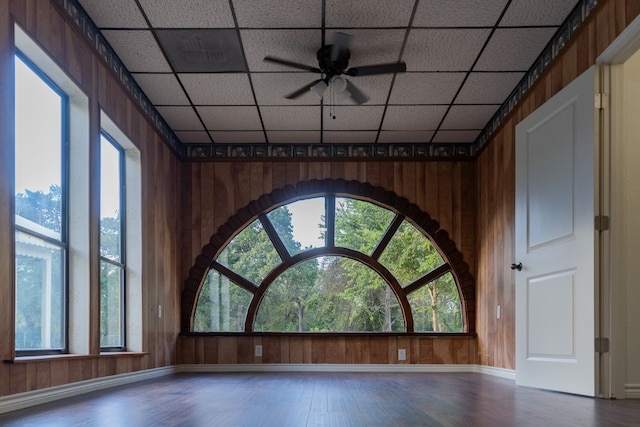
517	266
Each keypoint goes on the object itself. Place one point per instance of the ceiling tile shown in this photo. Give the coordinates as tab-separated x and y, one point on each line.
201	51
194	137
188	13
359	117
425	88
368	13
162	89
230	118
115	13
459	136
138	50
293	45
239	137
468	116
294	137
431	50
180	118
537	12
291	118
218	89
350	137
271	88
488	88
421	117
405	136
513	49
458	13
278	13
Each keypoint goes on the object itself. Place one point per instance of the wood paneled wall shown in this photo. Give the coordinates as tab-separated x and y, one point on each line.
444	190
496	183
47	25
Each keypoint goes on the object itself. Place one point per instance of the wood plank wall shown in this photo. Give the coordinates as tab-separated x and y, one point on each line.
445	190
496	183
46	24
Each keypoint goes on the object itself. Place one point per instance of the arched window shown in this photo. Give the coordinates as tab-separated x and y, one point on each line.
330	261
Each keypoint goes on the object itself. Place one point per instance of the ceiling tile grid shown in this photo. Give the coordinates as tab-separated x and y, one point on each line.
198	69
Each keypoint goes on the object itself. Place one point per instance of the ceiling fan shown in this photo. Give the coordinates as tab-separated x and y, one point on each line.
333	63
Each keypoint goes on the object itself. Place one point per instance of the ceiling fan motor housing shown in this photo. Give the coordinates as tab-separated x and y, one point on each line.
332	67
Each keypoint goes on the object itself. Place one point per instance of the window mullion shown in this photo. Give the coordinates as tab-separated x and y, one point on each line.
274	236
428	278
393	227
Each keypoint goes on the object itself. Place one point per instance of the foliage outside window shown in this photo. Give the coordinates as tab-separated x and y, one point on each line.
40	212
329	264
112	257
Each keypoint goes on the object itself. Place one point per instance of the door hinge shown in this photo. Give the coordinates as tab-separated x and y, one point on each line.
601	101
602	345
601	223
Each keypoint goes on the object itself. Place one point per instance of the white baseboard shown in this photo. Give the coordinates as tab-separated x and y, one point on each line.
632	391
36	397
32	398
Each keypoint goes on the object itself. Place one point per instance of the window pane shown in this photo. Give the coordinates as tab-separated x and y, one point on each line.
40	294
360	225
410	255
111	305
222	305
110	200
436	306
251	253
332	295
304	228
38	172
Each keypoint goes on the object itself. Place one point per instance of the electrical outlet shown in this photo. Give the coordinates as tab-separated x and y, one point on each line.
258	350
402	354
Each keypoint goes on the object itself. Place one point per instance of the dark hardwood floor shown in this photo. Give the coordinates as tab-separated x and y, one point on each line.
328	399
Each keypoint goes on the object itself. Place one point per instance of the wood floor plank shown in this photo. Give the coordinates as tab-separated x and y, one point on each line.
328	399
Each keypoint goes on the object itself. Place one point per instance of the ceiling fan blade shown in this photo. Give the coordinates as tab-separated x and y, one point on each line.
356	94
369	70
304	89
340	47
292	64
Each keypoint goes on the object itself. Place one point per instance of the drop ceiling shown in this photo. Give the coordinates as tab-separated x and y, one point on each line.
197	68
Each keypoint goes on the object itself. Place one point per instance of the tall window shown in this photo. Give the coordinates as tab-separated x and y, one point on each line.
112	244
329	264
41	112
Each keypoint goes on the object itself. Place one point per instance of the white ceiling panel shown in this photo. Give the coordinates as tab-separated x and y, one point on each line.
162	89
271	88
405	136
230	118
180	118
278	13
425	88
115	13
349	137
368	13
513	49
419	117
292	45
468	116
138	50
443	49
293	137
458	136
188	13
194	137
536	12
488	88
353	117
218	89
238	137
291	118
458	13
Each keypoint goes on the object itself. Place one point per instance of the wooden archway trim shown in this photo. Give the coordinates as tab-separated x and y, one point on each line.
339	187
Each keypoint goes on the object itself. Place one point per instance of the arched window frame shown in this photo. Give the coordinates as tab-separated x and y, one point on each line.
330	188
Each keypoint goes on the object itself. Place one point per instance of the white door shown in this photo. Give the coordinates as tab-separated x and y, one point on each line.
555	241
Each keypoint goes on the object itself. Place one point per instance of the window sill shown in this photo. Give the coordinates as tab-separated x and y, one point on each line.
49	357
